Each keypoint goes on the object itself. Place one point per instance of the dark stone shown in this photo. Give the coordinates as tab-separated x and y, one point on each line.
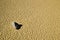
18	26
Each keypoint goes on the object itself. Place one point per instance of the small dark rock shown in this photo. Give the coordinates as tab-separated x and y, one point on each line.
17	26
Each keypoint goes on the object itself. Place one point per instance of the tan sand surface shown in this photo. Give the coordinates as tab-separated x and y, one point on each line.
40	19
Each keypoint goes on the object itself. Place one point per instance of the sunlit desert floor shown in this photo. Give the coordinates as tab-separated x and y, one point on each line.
40	19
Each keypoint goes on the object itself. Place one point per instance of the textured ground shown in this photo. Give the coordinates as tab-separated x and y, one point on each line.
40	19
